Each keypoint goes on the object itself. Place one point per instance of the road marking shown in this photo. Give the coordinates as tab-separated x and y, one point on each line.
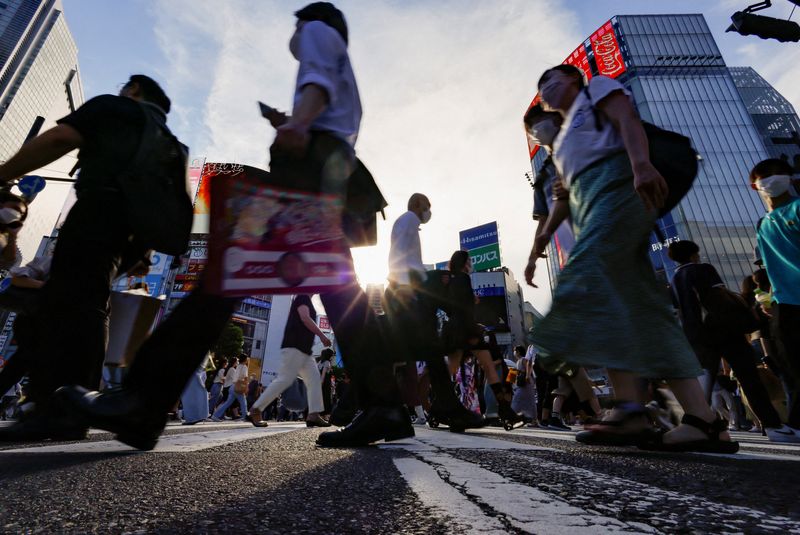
753	453
561	498
174	443
444	499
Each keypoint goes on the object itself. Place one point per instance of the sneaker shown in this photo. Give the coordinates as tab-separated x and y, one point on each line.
782	434
556	424
420	421
754	429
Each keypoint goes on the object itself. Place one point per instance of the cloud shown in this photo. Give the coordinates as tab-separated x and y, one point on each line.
443	86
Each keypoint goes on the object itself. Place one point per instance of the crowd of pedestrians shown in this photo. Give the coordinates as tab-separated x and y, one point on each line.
427	357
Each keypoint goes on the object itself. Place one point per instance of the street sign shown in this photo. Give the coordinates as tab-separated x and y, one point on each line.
30	186
486	257
480	236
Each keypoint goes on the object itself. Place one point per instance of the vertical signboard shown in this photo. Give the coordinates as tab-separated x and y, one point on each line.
483	245
606	50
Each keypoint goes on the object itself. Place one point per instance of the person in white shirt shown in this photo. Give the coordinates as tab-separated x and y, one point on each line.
234	376
217	386
412	316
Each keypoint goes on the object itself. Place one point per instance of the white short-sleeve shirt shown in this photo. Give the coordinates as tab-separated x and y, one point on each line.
579	144
324	61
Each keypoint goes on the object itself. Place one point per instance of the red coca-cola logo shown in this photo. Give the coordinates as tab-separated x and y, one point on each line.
606	53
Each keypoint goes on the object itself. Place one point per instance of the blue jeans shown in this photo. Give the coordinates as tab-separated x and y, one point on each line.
213	399
232	396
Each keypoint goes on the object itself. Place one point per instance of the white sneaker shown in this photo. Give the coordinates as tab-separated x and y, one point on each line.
782	434
420	421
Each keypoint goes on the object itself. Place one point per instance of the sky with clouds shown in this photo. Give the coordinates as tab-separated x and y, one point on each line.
443	84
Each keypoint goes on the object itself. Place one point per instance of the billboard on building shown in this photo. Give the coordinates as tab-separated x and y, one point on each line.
483	245
607	54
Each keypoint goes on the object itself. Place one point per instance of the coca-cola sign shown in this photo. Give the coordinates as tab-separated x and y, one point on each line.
607	54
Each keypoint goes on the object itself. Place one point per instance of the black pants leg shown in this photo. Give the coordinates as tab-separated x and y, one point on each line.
72	324
20	363
364	351
176	348
742	359
785	326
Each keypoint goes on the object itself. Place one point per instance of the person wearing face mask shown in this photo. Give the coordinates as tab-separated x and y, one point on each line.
314	150
413	322
13	211
779	243
607	290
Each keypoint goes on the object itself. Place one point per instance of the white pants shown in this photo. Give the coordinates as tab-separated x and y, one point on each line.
294	363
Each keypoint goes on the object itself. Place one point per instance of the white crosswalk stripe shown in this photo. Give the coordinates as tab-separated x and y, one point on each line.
475	496
196	440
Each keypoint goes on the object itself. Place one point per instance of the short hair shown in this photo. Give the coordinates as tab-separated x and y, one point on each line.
326	354
682	251
570	70
538	112
243	357
416	198
769	167
521	350
151	91
458	260
326	13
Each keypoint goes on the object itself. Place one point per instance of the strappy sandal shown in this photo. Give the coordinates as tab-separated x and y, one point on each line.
710	444
614	436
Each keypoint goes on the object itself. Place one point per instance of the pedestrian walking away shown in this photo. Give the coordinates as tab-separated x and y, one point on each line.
296	361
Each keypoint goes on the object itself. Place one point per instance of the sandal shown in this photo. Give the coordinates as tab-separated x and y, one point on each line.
710	444
596	436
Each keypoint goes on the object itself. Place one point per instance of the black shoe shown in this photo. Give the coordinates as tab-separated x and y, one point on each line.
556	424
37	427
121	411
370	425
458	419
342	416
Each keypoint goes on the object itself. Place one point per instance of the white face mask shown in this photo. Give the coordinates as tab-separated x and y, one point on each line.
426	216
544	132
9	215
773	186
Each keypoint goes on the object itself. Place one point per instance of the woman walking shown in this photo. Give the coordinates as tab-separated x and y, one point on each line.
607	291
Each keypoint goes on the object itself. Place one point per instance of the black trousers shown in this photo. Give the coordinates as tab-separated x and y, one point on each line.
742	359
71	328
785	328
20	363
164	363
412	321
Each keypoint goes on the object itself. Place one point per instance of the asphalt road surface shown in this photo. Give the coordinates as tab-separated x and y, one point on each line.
233	478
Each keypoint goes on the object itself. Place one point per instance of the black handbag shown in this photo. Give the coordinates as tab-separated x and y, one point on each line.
671	154
153	185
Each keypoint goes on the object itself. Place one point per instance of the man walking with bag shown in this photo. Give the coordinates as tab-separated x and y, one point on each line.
313	151
72	322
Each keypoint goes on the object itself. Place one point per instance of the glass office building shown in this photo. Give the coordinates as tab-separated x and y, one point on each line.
774	117
39	83
679	81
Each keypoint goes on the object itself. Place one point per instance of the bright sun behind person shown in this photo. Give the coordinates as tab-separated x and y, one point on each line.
371	264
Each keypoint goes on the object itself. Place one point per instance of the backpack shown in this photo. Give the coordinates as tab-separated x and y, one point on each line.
671	154
153	185
727	311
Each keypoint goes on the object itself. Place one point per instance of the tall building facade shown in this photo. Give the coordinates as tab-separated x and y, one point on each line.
679	81
39	83
773	115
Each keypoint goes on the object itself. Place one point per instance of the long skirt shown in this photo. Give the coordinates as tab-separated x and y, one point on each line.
608	308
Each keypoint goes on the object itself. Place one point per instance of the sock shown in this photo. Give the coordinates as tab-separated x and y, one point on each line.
554	415
420	413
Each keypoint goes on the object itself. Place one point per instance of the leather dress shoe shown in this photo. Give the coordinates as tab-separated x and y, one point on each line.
121	411
38	426
318	421
370	425
458	419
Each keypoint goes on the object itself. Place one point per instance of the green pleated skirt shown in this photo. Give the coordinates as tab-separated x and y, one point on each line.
608	309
